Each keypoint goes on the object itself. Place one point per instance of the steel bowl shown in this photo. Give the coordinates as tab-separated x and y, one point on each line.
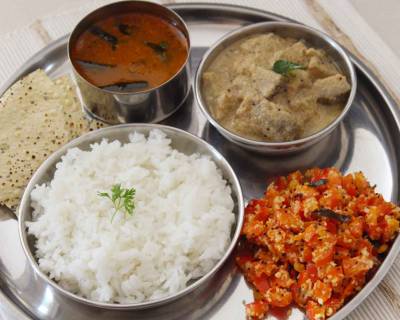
181	141
314	38
149	106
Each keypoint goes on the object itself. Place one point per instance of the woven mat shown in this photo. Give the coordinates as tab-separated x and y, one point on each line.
338	18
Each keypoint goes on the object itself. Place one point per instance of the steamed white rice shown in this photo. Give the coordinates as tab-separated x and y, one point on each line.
179	229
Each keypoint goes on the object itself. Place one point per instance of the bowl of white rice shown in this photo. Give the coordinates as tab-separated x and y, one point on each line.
184	219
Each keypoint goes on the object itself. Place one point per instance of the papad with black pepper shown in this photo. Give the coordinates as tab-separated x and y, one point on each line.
37	116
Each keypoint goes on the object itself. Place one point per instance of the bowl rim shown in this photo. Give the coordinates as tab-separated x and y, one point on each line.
235	138
25	205
122	3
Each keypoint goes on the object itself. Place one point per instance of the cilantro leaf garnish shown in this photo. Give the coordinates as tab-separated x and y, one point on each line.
285	67
122	199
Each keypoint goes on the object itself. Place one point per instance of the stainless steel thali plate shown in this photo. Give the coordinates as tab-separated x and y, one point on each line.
366	140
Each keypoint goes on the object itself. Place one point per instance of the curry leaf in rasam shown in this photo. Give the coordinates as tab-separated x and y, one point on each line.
160	49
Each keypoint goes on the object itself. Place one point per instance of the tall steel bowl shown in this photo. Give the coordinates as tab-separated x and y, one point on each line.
181	141
314	38
150	105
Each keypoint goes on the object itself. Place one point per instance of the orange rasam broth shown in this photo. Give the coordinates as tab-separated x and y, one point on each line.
130	52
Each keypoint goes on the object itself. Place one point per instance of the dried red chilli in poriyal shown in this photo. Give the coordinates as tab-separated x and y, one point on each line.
313	240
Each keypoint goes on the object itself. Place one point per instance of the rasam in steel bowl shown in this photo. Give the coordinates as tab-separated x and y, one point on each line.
181	141
315	39
148	104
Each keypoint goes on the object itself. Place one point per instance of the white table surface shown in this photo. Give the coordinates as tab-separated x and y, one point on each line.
382	15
